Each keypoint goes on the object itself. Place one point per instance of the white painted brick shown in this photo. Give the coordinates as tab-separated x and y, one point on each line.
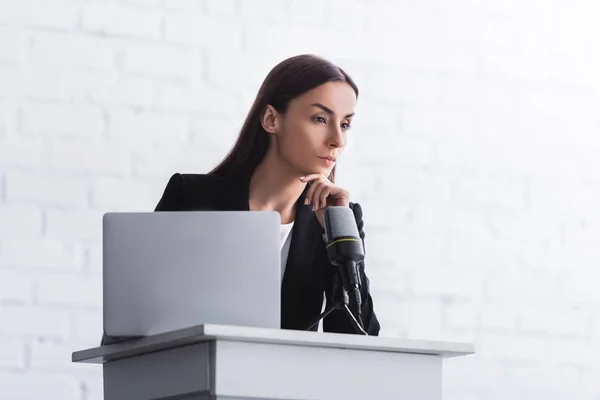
145	3
185	5
50	356
93	387
113	19
15	286
387	282
67	52
65	156
12	352
406	185
481	252
387	217
217	132
525	286
93	260
157	165
421	320
379	84
458	283
8	120
590	380
435	52
222	8
33	84
524	226
410	251
399	150
75	157
261	13
539	349
497	192
34	321
422	90
580	287
85	225
216	34
52	119
87	327
133	91
462	315
69	290
422	121
39	253
254	36
132	127
556	378
39	188
555	322
13	45
163	61
373	118
501	316
124	195
20	220
340	12
196	99
307	12
34	385
22	152
457	96
60	14
239	69
449	220
460	371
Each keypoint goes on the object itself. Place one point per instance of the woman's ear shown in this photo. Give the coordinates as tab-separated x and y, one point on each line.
270	120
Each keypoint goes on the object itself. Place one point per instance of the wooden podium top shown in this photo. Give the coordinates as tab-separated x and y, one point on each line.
209	332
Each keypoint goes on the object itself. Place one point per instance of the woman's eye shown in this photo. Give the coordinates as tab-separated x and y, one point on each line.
346	126
319	119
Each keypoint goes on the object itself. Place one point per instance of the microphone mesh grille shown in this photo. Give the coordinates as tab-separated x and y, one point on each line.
341	222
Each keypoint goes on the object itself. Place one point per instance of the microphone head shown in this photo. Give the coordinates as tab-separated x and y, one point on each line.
343	242
340	222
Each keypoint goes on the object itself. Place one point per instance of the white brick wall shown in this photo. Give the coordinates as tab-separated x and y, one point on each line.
474	154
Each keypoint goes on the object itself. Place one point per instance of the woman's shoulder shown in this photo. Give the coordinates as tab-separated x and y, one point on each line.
182	188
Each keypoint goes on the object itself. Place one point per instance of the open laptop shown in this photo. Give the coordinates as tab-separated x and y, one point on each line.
164	271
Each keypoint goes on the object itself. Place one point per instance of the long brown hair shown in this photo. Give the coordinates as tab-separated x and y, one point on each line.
287	80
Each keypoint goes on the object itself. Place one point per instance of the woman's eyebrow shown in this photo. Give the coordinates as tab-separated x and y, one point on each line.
328	110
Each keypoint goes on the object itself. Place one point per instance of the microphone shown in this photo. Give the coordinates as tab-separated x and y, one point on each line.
345	250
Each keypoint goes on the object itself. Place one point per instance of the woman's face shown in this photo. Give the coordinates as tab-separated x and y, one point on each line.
312	133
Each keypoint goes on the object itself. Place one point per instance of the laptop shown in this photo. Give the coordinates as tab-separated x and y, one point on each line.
164	271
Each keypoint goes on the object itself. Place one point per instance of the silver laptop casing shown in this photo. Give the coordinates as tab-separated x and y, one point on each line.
164	271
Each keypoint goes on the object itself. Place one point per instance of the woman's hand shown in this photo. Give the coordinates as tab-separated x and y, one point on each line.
322	193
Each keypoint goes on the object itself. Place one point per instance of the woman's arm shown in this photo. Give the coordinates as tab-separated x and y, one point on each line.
338	321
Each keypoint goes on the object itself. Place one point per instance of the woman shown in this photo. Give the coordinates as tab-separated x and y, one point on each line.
284	160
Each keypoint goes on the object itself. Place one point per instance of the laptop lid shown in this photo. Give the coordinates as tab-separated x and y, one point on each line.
164	271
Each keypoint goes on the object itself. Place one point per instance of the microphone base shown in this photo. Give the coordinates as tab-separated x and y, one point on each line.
340	302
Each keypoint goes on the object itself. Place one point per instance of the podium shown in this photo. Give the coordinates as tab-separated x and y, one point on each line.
222	362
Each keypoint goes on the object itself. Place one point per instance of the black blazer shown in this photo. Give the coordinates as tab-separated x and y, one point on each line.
308	272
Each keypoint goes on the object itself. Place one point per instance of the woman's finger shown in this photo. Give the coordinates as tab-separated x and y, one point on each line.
310	192
324	194
316	195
